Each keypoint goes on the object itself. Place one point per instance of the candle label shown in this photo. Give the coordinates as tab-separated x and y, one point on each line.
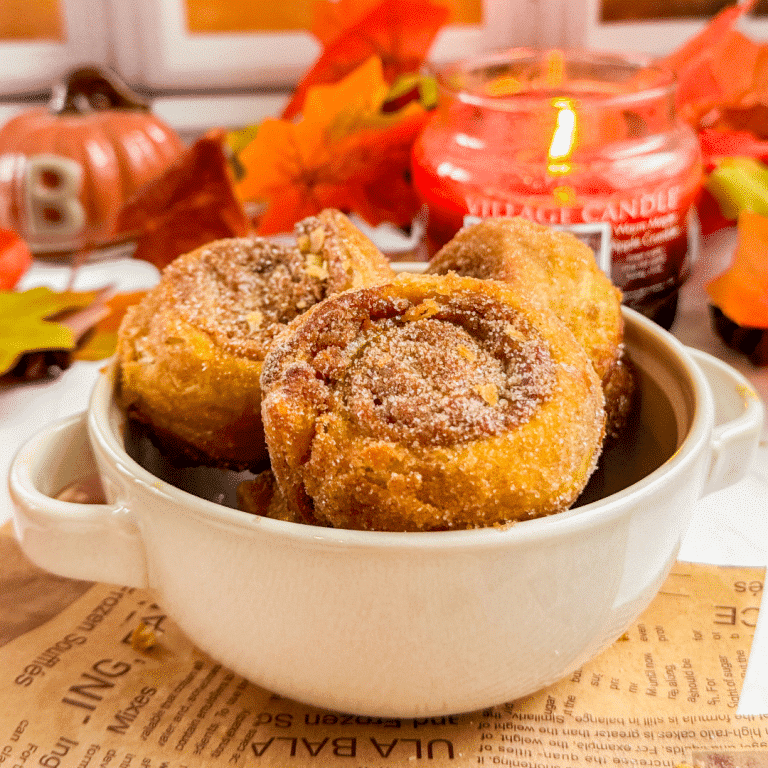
643	242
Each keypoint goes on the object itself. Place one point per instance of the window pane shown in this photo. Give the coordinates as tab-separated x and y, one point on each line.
30	20
248	16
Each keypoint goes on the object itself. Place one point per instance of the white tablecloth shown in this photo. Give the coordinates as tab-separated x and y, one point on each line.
729	527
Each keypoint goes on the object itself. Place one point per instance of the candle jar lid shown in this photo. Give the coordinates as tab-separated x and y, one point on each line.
583	140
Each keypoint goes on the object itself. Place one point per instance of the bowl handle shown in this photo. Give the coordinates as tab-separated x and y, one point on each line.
739	414
95	542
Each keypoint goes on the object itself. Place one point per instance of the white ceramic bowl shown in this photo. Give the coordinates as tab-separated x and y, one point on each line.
400	624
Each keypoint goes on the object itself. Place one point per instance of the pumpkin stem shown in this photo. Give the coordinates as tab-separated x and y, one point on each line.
93	89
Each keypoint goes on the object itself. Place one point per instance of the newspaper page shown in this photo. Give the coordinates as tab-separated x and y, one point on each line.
98	676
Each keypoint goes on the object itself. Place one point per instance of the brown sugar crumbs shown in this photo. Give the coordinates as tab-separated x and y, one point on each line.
436	382
242	292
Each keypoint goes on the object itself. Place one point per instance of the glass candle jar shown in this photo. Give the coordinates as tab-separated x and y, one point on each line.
583	141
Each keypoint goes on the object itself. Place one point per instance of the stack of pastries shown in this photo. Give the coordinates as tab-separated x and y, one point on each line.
478	394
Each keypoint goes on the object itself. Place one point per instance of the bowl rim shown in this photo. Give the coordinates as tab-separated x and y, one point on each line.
105	420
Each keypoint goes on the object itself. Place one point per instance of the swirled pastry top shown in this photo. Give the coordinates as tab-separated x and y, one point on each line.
436	375
549	267
241	291
427	403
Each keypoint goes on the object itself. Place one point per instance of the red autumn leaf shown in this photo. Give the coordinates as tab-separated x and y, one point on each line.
399	32
752	120
15	259
711	217
332	17
741	292
728	143
192	203
722	75
384	160
700	45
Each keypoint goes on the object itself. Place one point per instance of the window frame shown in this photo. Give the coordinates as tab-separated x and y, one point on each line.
655	37
36	64
154	50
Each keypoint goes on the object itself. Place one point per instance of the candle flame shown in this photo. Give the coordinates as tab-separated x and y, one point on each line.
564	195
563	138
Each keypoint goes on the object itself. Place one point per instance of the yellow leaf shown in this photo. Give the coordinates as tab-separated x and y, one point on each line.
26	324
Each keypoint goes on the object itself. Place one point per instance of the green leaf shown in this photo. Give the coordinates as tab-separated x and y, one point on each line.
740	184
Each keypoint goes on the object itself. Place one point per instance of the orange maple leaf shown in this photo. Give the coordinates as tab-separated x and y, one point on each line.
720	72
343	153
399	32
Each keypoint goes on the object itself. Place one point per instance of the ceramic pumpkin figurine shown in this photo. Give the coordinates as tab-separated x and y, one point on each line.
66	169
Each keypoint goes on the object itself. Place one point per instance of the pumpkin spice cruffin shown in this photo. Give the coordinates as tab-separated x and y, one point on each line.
553	269
429	403
190	354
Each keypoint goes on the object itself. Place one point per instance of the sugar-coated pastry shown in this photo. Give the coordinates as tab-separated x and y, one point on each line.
554	269
430	403
190	353
261	496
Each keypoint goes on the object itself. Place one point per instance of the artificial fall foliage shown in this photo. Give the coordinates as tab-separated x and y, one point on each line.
741	292
43	330
739	184
398	32
192	203
720	72
30	322
723	94
344	139
15	259
344	152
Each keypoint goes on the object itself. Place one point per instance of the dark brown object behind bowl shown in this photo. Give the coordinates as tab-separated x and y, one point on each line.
750	341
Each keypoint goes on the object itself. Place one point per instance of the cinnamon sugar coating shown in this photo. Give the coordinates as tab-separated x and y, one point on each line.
429	403
554	269
190	353
549	267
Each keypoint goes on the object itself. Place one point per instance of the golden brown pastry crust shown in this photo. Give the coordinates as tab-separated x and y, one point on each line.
261	496
430	403
190	353
546	266
350	258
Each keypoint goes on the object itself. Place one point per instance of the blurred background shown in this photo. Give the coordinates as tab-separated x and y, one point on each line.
232	62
